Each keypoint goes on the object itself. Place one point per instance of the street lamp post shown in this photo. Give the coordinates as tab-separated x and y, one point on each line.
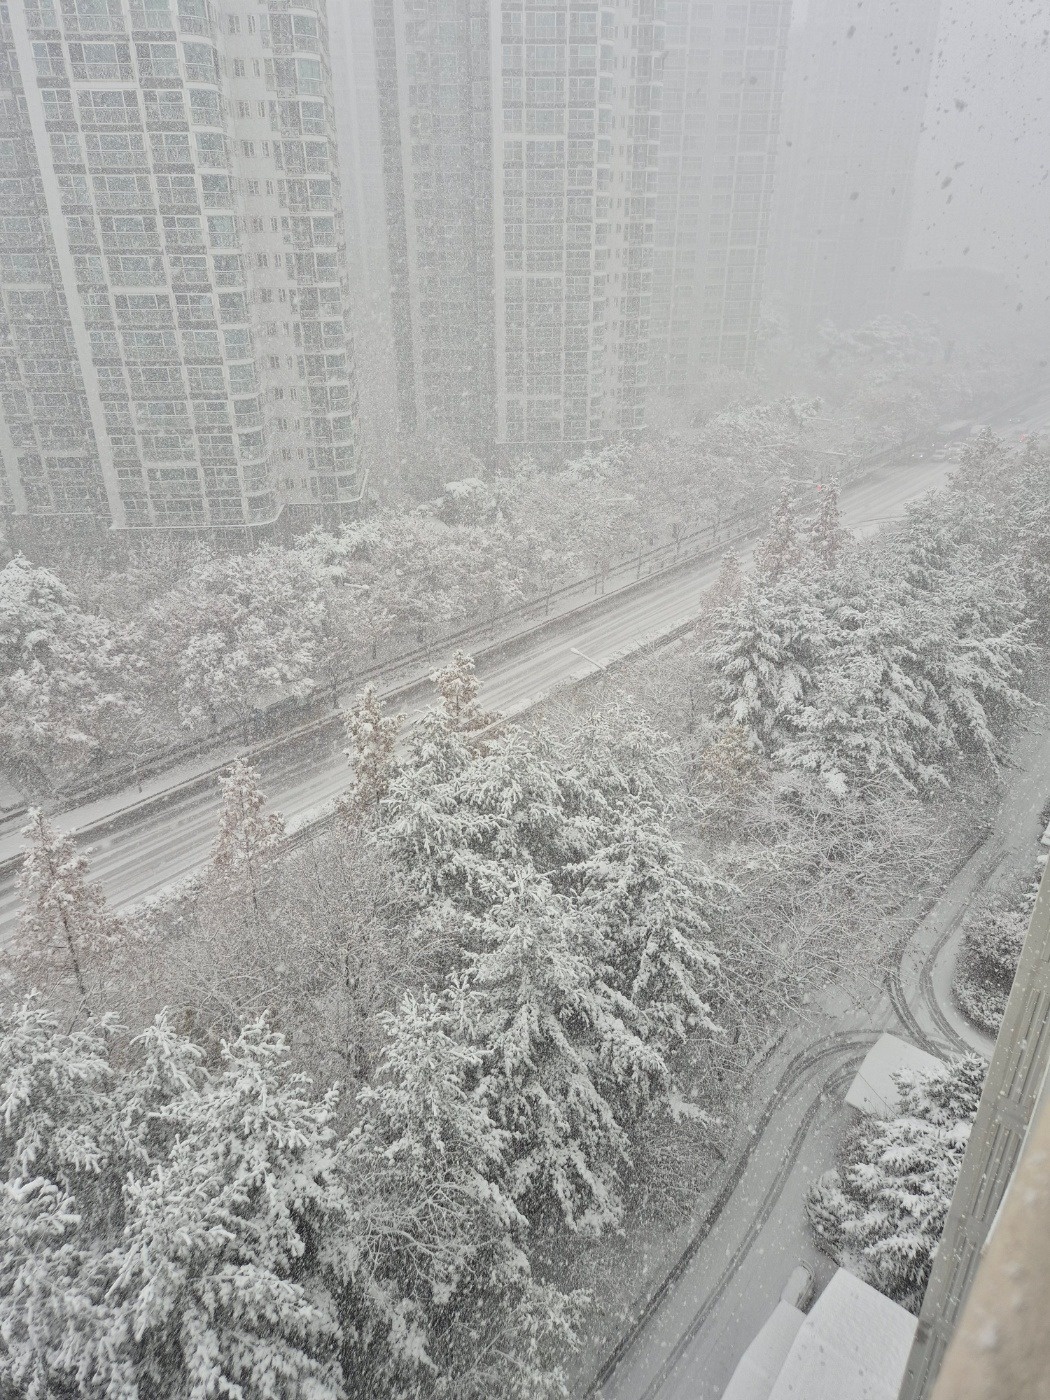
577	652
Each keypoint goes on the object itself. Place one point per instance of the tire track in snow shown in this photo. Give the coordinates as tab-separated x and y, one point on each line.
834	1046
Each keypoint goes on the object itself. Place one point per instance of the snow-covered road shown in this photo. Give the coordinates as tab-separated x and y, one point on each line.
693	1337
138	843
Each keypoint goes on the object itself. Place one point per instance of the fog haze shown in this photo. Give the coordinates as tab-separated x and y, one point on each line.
988	133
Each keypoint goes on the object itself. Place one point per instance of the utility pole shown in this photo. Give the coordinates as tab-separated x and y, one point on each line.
1014	1085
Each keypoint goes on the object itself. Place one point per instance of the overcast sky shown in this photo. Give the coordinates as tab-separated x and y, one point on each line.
988	133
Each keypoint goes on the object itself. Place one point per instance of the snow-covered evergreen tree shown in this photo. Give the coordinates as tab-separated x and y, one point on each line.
867	717
456	1307
249	837
61	1163
884	1212
556	1043
970	645
826	534
766	654
654	912
66	931
440	1157
373	740
548	876
220	1277
781	550
458	688
616	764
465	823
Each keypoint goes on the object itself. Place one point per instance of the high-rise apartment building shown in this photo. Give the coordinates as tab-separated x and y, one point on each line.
352	39
722	85
854	103
520	152
174	345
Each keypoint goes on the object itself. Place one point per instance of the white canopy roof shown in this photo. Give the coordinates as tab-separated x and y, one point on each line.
853	1345
873	1090
760	1364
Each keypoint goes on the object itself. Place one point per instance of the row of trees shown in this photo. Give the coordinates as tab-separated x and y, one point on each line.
195	639
502	953
182	638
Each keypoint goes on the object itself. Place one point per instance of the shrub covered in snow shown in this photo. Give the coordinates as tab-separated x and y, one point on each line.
991	950
883	1211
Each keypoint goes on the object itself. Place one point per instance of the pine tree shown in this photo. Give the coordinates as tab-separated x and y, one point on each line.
248	838
968	645
556	1043
373	740
655	914
458	688
884	1212
767	653
443	1234
466	823
61	1167
826	535
221	1281
867	718
780	551
65	928
618	764
441	1155
451	1239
